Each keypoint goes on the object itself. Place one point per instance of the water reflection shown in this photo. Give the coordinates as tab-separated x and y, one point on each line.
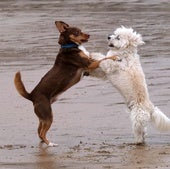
45	158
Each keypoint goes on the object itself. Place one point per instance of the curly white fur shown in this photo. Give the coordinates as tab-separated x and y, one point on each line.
128	77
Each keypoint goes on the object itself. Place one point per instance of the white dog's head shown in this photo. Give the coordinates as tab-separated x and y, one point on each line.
124	38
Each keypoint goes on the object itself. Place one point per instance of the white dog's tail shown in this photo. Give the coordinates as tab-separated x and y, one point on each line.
160	120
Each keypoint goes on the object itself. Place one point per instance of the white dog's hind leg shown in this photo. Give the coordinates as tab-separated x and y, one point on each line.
140	119
139	132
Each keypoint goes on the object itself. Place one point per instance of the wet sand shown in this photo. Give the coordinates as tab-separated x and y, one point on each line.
91	123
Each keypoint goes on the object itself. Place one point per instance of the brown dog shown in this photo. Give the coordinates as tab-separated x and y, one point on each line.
66	71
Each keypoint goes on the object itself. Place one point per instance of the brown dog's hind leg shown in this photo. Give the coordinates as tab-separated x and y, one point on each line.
44	113
39	129
45	125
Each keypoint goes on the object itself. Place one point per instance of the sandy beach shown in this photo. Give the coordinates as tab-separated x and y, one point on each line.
91	122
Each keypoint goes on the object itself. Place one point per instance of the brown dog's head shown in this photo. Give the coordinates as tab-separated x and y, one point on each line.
70	34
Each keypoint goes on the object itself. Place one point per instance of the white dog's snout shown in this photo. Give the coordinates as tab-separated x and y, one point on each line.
109	37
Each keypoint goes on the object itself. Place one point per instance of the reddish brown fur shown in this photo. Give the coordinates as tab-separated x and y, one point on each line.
66	71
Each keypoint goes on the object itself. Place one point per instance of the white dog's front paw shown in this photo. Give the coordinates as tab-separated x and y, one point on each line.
52	145
114	58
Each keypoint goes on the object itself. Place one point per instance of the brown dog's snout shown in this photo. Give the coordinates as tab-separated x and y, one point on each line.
85	37
88	36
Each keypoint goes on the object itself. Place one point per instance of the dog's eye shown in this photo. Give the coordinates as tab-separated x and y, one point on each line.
117	37
76	33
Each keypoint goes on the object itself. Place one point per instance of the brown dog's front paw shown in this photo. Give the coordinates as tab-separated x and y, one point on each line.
114	58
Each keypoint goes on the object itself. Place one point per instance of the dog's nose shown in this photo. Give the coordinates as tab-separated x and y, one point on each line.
86	36
108	37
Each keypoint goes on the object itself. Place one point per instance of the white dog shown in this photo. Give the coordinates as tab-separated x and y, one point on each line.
128	77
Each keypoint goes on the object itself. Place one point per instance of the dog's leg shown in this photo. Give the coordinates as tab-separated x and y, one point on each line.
44	112
39	129
42	130
140	120
45	127
139	132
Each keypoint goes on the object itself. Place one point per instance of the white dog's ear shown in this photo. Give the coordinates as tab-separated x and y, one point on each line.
139	40
136	39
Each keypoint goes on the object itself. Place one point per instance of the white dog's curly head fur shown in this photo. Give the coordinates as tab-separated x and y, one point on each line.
124	38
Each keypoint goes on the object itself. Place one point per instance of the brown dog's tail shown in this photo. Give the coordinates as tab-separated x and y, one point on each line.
20	86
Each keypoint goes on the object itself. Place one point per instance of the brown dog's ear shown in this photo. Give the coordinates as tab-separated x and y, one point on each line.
61	26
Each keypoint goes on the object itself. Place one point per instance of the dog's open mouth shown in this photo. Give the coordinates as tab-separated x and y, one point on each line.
111	45
84	40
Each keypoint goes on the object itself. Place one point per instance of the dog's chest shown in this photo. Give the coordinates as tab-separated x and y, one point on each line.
83	49
126	63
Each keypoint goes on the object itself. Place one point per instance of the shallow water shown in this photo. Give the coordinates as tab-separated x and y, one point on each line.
90	124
